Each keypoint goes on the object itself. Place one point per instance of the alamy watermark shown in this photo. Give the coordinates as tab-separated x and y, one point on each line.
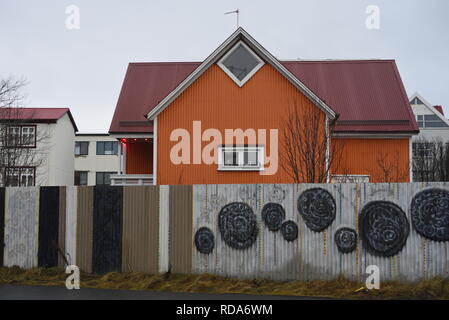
372	22
73	280
72	21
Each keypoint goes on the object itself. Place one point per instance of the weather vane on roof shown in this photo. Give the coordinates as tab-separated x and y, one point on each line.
237	12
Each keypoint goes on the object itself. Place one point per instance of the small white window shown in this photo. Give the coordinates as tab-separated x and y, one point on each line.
28	136
240	63
235	158
355	178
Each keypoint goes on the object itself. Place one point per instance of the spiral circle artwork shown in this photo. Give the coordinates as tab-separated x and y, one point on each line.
384	228
317	207
430	214
204	240
238	225
289	230
273	214
346	240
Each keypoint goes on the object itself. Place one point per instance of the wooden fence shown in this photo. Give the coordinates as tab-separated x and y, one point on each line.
282	232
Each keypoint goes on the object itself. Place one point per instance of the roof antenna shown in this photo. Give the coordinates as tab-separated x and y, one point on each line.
237	12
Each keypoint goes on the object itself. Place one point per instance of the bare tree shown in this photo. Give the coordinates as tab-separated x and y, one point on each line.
392	168
307	154
22	149
430	160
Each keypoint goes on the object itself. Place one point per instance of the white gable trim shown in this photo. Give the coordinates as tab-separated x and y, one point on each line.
240	34
430	107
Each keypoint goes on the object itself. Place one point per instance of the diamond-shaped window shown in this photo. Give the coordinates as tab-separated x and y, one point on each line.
240	63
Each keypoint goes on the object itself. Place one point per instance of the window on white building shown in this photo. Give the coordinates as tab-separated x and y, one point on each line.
81	148
107	147
236	158
430	121
20	176
81	178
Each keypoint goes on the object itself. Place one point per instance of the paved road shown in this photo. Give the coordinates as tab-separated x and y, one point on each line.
13	292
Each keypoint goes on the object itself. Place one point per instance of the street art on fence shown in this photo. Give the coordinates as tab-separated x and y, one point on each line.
280	232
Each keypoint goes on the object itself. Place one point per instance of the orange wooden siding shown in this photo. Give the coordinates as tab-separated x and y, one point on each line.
219	103
216	101
139	158
384	160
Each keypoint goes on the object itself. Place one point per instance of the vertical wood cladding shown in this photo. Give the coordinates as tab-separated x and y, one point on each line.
139	158
48	227
84	228
107	229
220	104
2	224
62	226
140	242
180	230
368	156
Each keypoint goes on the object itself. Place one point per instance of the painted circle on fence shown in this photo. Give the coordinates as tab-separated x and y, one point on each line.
346	239
238	225
273	214
384	228
204	240
289	230
430	214
317	207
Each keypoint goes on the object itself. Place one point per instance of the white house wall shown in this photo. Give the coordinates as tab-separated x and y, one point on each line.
93	163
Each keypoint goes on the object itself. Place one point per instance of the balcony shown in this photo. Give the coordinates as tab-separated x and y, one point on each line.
131	179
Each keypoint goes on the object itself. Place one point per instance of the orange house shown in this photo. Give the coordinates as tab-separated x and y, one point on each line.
230	119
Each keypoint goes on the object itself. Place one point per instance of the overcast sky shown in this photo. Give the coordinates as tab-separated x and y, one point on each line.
84	69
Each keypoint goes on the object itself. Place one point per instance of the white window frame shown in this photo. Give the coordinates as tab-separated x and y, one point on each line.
32	136
240	158
240	83
350	178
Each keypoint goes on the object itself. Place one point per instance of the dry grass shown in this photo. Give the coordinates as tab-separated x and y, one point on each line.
437	288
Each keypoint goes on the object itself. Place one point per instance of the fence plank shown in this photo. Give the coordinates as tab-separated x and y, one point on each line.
2	224
48	227
107	229
84	228
181	239
21	227
140	229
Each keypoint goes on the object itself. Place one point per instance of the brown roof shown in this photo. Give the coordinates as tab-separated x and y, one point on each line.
37	115
368	94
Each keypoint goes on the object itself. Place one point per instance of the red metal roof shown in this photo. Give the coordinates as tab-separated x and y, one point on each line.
368	94
439	109
40	115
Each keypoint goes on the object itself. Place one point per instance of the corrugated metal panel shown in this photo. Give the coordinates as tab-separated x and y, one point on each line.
368	156
48	226
62	226
71	224
84	228
139	157
180	233
2	224
21	227
107	229
164	222
358	90
140	241
145	85
313	255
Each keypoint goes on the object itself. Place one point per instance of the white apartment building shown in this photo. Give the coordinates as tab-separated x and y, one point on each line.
43	140
97	157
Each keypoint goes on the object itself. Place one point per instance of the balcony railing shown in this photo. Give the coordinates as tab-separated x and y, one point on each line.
131	179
